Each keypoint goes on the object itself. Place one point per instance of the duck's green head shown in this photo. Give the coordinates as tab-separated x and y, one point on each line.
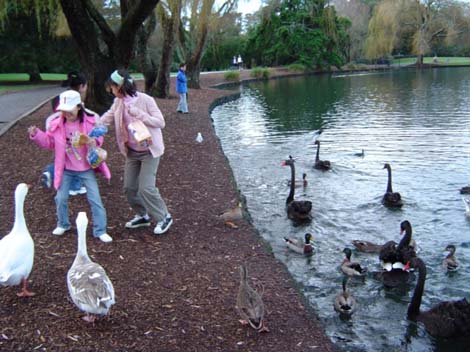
308	237
347	252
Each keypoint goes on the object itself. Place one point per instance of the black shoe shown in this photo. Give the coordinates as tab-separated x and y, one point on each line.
138	221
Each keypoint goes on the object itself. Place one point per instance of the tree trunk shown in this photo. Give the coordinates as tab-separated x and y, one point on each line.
419	60
170	26
147	65
100	49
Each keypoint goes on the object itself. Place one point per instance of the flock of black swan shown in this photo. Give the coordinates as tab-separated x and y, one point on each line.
399	261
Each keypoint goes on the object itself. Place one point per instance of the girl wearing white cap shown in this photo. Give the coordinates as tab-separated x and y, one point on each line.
70	160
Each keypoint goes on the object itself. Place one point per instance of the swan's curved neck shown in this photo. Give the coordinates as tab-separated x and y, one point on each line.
413	308
290	197
406	239
389	184
317	157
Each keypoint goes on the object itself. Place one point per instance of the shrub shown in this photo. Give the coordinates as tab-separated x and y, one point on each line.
232	76
296	67
260	72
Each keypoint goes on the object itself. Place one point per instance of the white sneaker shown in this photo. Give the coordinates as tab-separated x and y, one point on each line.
59	231
164	225
105	238
73	192
82	190
138	221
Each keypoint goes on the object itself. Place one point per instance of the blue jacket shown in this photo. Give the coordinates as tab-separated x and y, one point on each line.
181	82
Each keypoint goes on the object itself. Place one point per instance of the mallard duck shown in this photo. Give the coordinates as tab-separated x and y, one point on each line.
302	183
250	304
397	257
447	319
297	210
345	303
17	248
391	199
450	263
466	203
320	164
303	246
366	246
89	287
351	268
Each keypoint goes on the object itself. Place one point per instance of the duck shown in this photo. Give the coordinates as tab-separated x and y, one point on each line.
303	246
250	305
17	248
366	246
465	190
320	164
391	199
449	319
232	214
297	210
89	286
344	302
396	257
303	183
360	154
351	268
466	203
450	263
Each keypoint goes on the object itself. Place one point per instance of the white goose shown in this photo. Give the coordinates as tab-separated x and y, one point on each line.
17	248
89	286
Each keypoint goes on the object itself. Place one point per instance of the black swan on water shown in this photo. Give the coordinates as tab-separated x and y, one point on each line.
396	257
447	319
321	164
297	210
390	198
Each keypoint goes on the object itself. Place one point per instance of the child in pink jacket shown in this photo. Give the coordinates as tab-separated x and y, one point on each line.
70	160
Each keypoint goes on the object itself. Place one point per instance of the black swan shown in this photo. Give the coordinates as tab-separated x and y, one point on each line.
321	164
465	190
396	257
302	246
361	154
450	263
297	210
447	319
390	198
344	302
351	268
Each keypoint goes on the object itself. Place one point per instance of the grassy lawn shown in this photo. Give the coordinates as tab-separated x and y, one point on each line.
429	60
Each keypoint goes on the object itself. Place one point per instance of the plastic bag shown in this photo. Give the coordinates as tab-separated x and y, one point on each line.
95	156
140	132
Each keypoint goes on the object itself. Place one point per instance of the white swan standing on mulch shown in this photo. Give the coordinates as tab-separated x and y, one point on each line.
89	287
17	248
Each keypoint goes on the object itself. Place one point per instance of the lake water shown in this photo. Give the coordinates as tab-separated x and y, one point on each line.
418	121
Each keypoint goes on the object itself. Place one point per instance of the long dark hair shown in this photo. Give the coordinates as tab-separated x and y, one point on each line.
74	80
127	87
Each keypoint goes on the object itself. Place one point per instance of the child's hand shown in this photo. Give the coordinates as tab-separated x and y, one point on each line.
32	130
133	111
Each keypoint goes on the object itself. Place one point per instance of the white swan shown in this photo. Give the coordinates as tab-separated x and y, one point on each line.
89	286
17	248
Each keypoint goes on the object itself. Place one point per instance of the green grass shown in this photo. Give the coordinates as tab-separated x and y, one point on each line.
24	77
16	88
429	60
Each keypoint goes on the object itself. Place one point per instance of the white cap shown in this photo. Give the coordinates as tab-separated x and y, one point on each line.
68	100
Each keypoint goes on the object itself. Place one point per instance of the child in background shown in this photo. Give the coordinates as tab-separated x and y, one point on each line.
70	160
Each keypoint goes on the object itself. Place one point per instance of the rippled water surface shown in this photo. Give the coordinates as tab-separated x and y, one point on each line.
416	121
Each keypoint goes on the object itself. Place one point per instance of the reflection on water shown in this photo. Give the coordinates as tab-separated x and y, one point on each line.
417	122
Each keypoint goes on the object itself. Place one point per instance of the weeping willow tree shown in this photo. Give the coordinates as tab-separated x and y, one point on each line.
100	46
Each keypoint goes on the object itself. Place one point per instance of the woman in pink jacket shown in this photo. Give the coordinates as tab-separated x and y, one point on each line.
138	122
71	161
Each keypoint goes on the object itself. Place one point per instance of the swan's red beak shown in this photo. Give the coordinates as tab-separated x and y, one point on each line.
407	266
283	163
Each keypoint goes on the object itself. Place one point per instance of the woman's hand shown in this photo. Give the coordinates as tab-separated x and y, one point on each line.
32	130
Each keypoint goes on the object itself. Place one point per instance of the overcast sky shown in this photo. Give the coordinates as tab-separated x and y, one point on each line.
248	6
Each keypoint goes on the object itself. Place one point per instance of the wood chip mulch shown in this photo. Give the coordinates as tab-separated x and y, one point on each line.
175	292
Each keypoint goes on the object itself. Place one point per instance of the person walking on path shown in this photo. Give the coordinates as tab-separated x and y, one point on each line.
71	160
139	122
182	89
75	81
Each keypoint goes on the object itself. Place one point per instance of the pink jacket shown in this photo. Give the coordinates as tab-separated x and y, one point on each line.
145	109
54	139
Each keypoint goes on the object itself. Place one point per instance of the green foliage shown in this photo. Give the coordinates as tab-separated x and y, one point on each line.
296	67
232	76
260	72
300	31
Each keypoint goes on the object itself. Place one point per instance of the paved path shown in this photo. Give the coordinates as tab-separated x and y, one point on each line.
14	106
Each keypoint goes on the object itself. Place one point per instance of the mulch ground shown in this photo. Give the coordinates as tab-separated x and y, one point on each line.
175	292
